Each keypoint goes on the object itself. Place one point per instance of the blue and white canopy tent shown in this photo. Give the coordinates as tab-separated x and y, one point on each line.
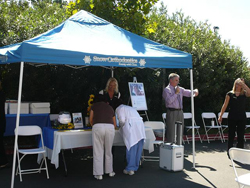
87	40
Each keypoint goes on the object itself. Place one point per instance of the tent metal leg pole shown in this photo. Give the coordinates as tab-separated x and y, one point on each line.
192	110
112	72
17	121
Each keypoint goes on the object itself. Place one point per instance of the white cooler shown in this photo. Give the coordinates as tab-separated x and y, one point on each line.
40	108
24	109
172	157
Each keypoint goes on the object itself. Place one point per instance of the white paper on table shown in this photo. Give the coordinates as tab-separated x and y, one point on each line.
77	120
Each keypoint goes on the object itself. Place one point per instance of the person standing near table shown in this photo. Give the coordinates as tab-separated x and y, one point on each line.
3	157
133	133
102	118
173	96
236	99
111	91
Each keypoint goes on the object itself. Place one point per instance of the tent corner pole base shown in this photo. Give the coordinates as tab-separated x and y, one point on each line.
17	121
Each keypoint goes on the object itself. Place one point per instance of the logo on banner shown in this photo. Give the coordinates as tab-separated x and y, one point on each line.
87	59
142	62
121	61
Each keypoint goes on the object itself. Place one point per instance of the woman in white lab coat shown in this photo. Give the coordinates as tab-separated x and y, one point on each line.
133	132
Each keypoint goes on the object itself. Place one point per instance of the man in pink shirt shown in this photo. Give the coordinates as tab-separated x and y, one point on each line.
173	95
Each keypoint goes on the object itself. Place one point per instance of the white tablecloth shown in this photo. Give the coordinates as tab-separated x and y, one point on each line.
83	138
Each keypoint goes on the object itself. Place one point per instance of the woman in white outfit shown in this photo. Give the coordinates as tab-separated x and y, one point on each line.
133	133
102	118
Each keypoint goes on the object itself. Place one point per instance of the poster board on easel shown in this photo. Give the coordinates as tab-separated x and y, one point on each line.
77	120
137	95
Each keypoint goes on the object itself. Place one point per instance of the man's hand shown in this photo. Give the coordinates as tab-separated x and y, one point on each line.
196	92
177	90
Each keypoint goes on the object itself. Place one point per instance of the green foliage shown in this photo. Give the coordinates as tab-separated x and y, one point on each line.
19	22
216	64
128	14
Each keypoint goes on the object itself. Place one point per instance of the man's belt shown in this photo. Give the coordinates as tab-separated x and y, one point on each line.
174	109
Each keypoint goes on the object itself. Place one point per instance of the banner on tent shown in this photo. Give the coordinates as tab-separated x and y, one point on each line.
121	61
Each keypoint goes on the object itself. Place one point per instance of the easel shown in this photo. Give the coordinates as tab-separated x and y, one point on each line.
145	112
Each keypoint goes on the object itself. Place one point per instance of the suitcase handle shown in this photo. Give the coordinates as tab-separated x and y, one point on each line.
178	131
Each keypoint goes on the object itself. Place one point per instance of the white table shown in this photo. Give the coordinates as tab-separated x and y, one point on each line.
83	138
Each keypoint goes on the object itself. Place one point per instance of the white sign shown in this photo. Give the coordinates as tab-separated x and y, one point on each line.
121	61
77	120
137	94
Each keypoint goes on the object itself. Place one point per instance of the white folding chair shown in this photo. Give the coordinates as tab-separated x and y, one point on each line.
188	116
247	135
31	130
224	123
242	156
164	117
159	130
207	118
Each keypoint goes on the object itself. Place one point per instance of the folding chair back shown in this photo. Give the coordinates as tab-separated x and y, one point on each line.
154	124
209	126
159	128
188	116
224	116
212	117
30	130
242	156
208	115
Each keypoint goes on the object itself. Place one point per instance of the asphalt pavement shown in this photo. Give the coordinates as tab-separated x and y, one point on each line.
212	169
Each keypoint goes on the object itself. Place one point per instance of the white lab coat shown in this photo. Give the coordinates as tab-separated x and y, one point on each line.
131	125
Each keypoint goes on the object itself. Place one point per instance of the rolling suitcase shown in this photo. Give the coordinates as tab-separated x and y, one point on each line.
172	155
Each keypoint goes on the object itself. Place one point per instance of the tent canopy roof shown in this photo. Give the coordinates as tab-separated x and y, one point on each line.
85	39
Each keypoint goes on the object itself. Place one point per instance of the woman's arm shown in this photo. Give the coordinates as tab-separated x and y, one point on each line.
114	120
91	116
224	107
246	88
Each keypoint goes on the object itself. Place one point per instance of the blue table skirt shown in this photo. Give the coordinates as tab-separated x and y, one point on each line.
48	136
42	120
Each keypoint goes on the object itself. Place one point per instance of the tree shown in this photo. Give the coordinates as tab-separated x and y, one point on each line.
19	22
130	15
216	63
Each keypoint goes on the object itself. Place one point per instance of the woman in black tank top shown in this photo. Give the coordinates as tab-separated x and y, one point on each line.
236	101
111	91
